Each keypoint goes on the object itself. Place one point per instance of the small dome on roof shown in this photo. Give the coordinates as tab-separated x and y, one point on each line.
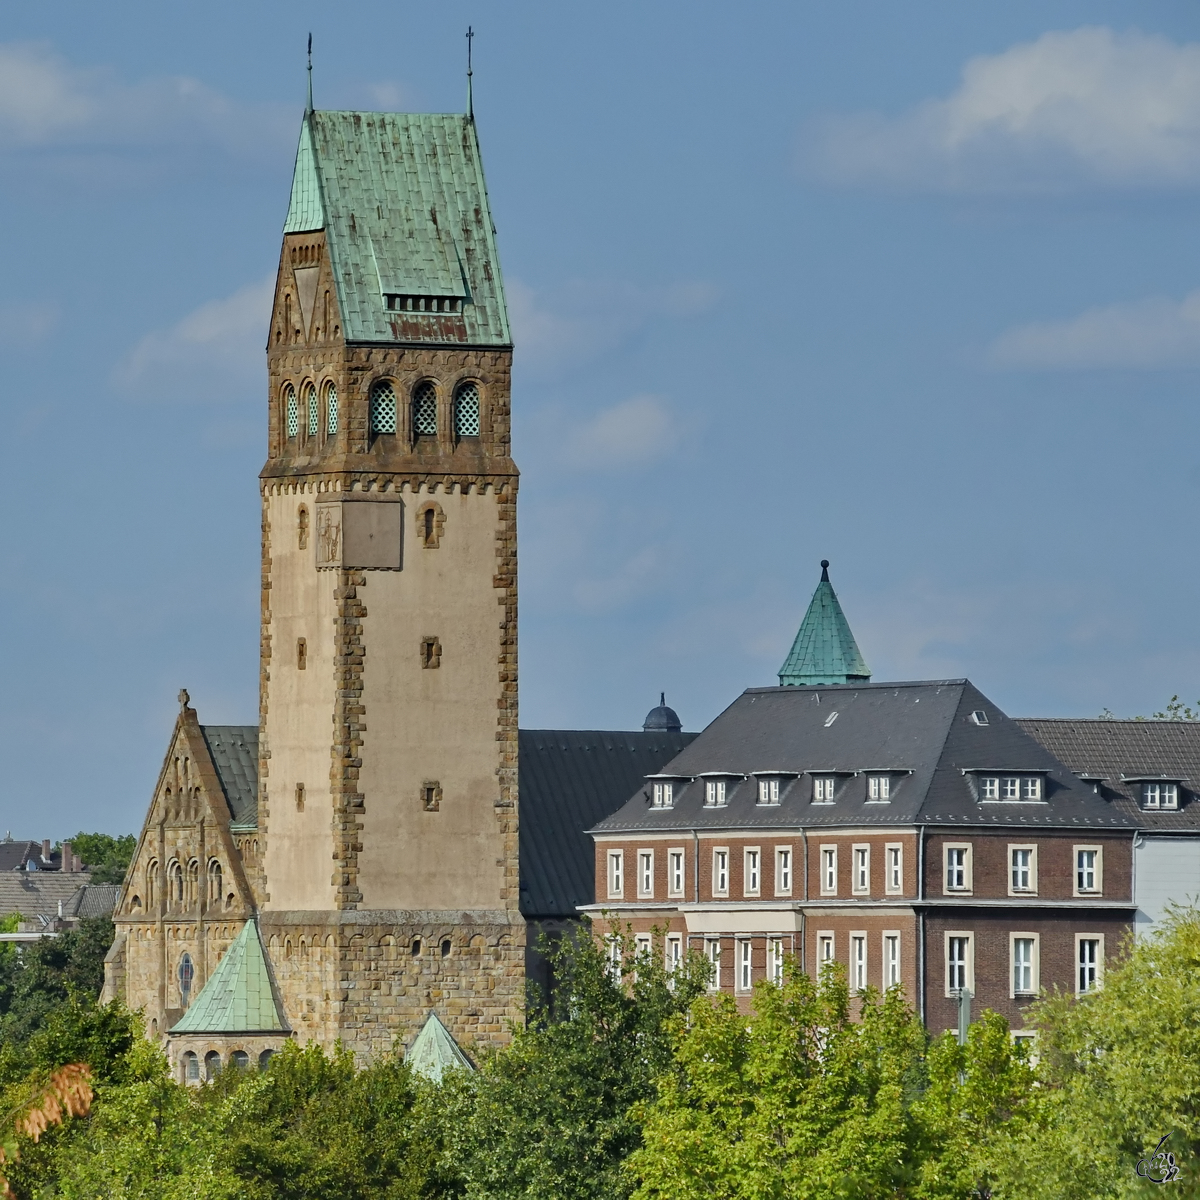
662	718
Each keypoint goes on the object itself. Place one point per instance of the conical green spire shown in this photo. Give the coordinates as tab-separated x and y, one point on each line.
824	650
435	1051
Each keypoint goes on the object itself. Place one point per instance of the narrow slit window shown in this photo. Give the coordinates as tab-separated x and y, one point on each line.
424	406
301	653
331	409
291	410
466	411
313	413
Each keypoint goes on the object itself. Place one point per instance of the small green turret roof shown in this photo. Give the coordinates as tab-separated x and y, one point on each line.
237	997
435	1051
824	650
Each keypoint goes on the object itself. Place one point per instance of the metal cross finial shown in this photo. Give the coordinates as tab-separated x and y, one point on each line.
470	103
310	107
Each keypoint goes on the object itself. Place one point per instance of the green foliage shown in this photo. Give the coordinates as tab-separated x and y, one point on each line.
107	857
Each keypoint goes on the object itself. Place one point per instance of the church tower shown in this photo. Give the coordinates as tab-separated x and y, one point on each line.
388	683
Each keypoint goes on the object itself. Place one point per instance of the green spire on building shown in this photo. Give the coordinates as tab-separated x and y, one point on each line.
435	1051
824	650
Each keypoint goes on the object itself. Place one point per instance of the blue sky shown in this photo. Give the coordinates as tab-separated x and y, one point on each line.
914	287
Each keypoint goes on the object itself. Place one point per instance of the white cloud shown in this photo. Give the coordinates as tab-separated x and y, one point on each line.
631	433
214	354
1142	334
1085	107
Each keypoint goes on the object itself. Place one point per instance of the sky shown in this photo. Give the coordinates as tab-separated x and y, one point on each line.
914	288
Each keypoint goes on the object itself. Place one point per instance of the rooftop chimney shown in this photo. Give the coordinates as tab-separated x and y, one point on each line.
46	851
66	857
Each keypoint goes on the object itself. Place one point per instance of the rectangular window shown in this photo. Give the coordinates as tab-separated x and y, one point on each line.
895	867
614	958
744	973
1024	964
750	872
664	794
1089	877
646	873
768	791
862	870
891	958
829	870
958	868
1089	958
642	941
959	965
714	793
879	787
989	788
720	873
822	789
858	961
616	874
824	949
675	880
1160	795
674	955
1010	788
1022	869
783	870
712	948
1031	788
775	961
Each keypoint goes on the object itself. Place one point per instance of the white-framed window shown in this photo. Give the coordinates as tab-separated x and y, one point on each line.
614	955
1160	795
1010	787
712	949
751	871
1089	870
642	944
1023	955
745	950
674	952
825	948
858	961
675	869
775	961
989	788
891	957
1031	787
829	879
714	793
663	795
1022	869
823	789
862	870
783	870
894	864
960	961
616	874
958	867
879	787
646	873
768	791
720	872
1089	962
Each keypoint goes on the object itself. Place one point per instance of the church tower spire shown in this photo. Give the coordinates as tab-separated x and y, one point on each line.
824	650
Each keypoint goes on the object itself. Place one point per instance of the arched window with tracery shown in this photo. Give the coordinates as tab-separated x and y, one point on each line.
214	882
185	975
311	411
424	410
174	884
191	1067
331	409
466	411
291	411
383	408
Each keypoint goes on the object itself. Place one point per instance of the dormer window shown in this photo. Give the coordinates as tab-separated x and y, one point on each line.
1160	795
663	794
1011	788
879	787
823	789
768	791
714	793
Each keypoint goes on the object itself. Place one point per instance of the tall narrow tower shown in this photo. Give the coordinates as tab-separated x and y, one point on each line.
388	696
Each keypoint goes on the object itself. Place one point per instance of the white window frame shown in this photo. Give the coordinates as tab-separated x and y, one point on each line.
676	871
752	871
829	869
643	944
1023	847
714	793
720	871
860	878
879	789
1098	873
894	868
1080	938
858	960
826	947
745	965
768	790
1031	787
783	870
1035	963
969	972
645	875
1161	803
616	874
615	955
673	952
824	789
775	960
989	787
712	951
664	794
1010	787
968	882
891	970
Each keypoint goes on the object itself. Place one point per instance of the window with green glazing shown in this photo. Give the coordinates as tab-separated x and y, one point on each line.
466	411
383	408
292	411
331	409
310	407
424	409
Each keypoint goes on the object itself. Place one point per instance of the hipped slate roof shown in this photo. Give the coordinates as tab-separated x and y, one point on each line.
921	733
234	750
1113	753
237	997
824	650
403	203
569	780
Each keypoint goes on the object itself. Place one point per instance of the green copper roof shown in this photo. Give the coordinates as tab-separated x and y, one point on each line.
435	1051
237	997
824	650
403	203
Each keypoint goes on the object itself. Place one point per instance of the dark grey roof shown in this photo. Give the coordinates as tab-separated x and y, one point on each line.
662	718
569	780
15	855
1115	752
921	732
234	750
93	900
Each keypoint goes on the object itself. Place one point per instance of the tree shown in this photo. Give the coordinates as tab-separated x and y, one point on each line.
106	857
